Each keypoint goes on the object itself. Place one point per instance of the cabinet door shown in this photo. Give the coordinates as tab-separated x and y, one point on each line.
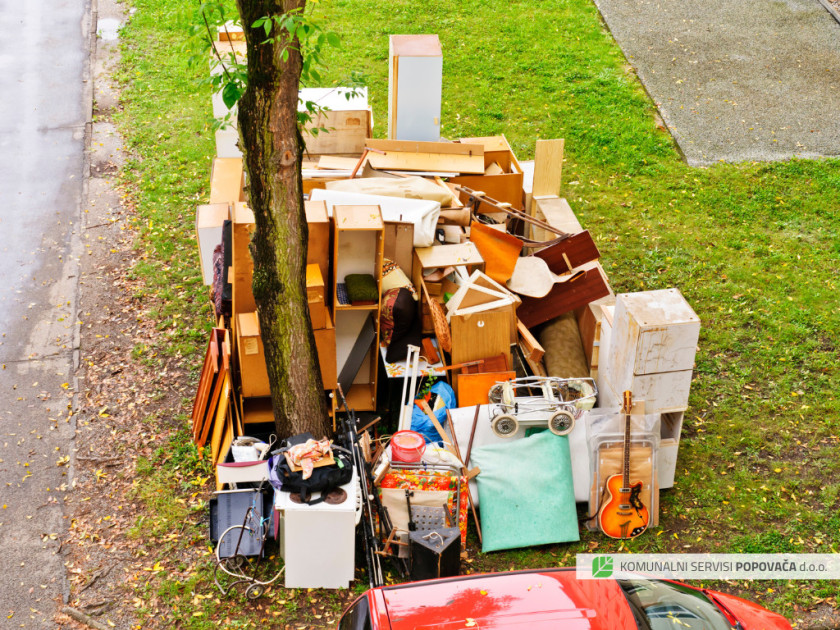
419	87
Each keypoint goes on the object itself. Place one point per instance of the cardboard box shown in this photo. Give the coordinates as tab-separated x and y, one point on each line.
249	349
315	296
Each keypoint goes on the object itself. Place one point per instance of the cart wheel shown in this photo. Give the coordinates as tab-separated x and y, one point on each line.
504	425
235	563
561	423
254	591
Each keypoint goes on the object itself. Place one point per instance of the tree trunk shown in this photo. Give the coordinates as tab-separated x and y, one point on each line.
272	146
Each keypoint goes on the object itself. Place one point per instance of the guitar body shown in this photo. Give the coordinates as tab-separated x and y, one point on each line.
623	515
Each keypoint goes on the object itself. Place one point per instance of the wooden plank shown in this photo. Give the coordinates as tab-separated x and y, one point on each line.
564	297
325	343
220	418
557	212
335	162
226	437
318	245
403	155
205	387
529	344
399	244
242	262
227	180
548	168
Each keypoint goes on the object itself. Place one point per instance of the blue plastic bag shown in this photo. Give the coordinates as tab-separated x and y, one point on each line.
421	423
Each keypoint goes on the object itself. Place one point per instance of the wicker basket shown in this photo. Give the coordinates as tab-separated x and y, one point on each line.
439	322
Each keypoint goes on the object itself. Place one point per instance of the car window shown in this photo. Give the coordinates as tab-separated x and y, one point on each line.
357	617
667	606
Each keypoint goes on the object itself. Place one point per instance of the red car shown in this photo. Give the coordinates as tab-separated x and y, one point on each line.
555	599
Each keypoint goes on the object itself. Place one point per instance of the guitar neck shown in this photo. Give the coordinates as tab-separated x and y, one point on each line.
628	404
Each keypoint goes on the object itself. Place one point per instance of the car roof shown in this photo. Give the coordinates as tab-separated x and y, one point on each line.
532	599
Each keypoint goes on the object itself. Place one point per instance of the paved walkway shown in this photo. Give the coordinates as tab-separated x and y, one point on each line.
737	80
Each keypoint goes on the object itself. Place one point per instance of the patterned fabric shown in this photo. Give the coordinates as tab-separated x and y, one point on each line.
341	294
218	277
393	277
427	480
386	316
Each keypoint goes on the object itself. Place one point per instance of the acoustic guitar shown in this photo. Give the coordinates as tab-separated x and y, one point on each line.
623	515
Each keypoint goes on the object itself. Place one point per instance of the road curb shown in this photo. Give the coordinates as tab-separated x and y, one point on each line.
831	9
89	29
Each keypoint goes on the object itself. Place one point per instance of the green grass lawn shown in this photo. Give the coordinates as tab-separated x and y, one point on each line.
753	247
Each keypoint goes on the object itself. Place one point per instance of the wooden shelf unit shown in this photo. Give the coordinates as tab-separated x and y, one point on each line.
358	247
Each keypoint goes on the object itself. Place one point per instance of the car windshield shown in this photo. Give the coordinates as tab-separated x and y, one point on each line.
665	605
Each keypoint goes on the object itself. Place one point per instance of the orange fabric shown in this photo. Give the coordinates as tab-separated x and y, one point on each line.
498	249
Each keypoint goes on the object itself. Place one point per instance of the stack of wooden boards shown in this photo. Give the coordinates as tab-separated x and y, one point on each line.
463	221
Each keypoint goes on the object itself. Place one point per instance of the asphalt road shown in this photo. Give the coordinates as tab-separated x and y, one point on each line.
44	63
736	80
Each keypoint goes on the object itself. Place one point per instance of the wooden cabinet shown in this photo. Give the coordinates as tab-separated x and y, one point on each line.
358	248
415	86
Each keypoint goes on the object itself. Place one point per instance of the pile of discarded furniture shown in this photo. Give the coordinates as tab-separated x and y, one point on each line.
454	292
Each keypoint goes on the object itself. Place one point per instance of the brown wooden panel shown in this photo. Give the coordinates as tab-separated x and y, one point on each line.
564	297
578	248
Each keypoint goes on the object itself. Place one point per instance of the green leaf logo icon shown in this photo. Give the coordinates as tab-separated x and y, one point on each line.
602	567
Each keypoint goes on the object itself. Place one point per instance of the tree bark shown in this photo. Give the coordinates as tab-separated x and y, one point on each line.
272	147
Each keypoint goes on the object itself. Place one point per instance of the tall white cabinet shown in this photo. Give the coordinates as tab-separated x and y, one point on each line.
415	86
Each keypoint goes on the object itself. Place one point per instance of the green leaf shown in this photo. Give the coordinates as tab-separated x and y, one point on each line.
334	39
231	94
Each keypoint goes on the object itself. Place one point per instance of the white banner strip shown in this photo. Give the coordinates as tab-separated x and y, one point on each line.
712	566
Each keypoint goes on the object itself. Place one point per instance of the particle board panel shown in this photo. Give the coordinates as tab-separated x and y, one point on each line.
480	336
338	133
399	245
401	155
251	354
209	219
557	212
319	243
654	331
548	168
242	262
315	296
506	187
415	87
326	345
227	181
